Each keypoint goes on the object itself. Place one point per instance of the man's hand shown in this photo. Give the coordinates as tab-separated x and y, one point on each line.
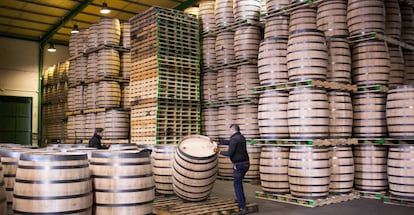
214	139
216	150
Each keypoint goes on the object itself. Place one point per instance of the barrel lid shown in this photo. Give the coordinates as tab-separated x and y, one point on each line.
401	87
198	146
52	156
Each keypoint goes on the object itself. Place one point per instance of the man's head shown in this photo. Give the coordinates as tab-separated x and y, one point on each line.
99	131
234	128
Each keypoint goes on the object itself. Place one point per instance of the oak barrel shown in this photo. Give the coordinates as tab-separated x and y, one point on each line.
122	182
274	169
400	169
308	113
339	60
272	115
163	156
247	120
53	183
365	16
223	13
371	168
342	170
370	63
309	172
194	168
331	18
341	115
400	112
307	56
272	64
369	115
397	66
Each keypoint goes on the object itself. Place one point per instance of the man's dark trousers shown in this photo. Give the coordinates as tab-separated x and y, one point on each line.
239	171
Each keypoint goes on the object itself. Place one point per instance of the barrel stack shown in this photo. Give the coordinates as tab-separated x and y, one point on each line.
98	81
54	101
165	83
371	66
230	45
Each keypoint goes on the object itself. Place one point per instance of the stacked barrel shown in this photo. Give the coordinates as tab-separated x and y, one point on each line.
165	83
230	46
99	69
54	102
106	182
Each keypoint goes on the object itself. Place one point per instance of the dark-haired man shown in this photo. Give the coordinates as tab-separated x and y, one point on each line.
95	141
237	152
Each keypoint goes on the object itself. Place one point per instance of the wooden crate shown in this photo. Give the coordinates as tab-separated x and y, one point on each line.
166	120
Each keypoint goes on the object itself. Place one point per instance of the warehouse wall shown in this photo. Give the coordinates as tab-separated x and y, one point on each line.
19	70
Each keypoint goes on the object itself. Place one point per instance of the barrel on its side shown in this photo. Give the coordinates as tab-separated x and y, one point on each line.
309	172
58	183
122	182
274	169
371	168
194	168
401	171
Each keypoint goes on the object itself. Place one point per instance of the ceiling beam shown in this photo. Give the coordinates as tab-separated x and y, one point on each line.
185	4
21	27
44	5
24	19
63	21
29	11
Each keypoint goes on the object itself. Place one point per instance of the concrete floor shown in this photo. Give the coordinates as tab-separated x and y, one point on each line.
361	206
224	189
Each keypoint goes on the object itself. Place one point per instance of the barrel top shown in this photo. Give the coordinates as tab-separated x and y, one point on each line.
52	156
197	146
121	154
12	152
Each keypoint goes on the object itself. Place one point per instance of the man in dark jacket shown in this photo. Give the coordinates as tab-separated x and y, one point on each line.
95	141
237	152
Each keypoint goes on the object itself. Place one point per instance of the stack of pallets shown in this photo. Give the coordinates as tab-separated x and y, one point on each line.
165	76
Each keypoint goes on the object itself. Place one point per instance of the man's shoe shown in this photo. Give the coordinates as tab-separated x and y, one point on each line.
241	212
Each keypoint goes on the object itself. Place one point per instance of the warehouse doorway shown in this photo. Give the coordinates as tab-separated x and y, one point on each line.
16	120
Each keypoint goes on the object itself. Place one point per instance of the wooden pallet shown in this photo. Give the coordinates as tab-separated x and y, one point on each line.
375	35
372	88
306	83
384	141
370	195
232	27
107	78
287	198
172	205
306	142
98	110
392	200
286	10
233	64
234	102
71	113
